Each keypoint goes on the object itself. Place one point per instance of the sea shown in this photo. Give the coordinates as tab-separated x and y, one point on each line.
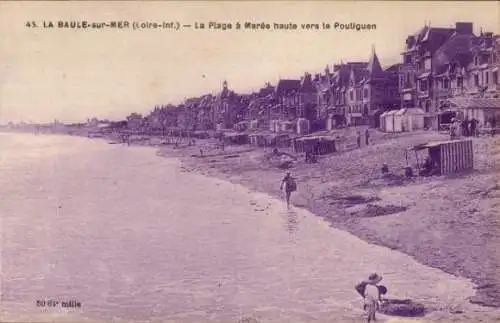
99	232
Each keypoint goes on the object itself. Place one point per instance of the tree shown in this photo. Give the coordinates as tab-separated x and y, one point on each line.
135	121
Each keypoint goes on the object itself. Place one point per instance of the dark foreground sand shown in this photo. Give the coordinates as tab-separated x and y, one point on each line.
448	223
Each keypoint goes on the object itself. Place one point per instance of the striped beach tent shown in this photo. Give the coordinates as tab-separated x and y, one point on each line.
454	156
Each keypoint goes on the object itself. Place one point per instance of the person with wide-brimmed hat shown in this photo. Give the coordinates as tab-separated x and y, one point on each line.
370	292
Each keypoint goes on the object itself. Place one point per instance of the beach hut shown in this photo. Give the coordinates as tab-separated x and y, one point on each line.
264	139
242	126
408	120
481	109
276	126
389	120
257	140
286	126
454	156
236	138
317	144
382	121
398	120
412	119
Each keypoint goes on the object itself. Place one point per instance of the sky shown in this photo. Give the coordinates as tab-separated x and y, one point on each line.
74	74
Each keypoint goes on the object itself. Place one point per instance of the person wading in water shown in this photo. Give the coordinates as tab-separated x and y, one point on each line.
290	186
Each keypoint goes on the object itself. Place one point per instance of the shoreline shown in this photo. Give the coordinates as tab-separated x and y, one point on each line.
455	225
388	211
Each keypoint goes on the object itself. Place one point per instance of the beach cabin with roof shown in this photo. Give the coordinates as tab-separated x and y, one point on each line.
481	109
448	157
382	121
388	121
409	119
319	145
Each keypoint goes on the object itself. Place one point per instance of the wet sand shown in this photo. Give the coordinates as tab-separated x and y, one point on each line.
447	223
134	239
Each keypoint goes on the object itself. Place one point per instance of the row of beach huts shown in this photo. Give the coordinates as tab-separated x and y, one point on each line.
402	120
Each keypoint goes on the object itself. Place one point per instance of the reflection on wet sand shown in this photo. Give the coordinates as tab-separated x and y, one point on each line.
292	221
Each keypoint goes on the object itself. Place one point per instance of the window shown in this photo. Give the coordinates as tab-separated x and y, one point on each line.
476	79
407	59
495	77
365	93
351	95
487	77
484	58
446	83
427	64
476	61
423	85
460	82
420	66
408	78
427	106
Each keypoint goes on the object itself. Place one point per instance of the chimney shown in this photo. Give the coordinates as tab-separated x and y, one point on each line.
410	41
488	39
464	27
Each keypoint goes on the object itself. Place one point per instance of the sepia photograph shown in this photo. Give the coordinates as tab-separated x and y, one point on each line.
249	161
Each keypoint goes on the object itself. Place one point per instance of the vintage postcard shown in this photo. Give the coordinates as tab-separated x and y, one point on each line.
249	162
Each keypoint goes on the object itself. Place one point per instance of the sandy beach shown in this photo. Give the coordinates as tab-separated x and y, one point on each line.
447	223
71	230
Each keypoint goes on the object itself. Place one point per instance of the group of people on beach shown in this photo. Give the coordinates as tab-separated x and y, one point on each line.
466	128
470	127
367	137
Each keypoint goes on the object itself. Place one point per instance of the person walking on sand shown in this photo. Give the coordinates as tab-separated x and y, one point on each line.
465	127
473	127
493	124
358	138
290	186
370	292
367	136
454	129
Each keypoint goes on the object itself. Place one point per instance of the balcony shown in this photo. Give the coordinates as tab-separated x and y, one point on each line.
407	67
443	93
457	91
423	94
406	87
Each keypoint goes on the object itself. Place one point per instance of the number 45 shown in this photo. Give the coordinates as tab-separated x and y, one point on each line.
30	24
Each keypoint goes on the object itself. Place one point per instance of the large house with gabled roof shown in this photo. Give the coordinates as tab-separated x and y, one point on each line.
295	99
371	90
440	64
